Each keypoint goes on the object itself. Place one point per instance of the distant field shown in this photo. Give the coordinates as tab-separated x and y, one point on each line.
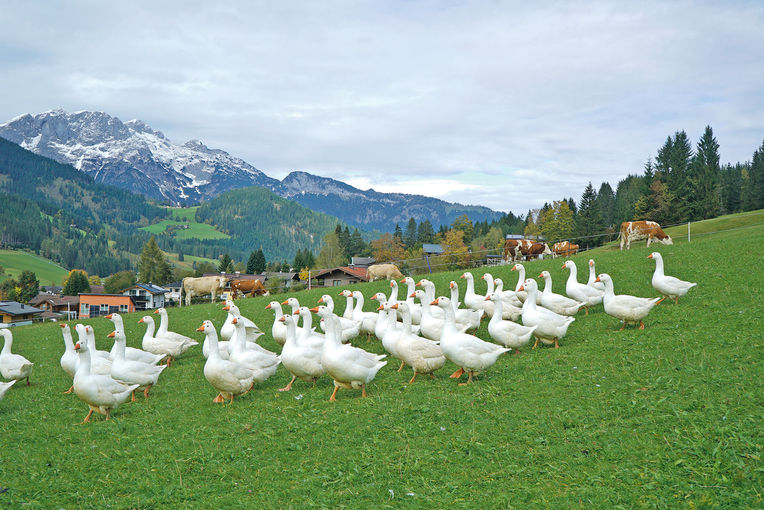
183	216
14	262
188	260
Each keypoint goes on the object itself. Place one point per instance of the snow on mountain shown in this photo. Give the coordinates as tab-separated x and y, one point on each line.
132	155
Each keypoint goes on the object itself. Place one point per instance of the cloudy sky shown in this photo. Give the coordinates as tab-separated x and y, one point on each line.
498	103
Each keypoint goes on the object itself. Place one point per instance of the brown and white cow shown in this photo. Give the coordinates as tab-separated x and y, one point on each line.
537	249
513	247
565	249
637	230
255	287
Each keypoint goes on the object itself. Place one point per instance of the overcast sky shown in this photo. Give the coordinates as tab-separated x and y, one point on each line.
496	103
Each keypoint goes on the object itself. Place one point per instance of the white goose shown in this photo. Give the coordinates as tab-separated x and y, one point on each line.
100	392
414	308
301	359
172	348
557	302
69	358
348	313
468	352
261	361
668	286
509	296
578	291
227	331
350	328
508	333
391	332
429	293
163	330
431	327
131	371
279	329
230	379
469	318
593	278
5	386
348	366
422	355
471	299
100	363
626	308
551	326
521	294
368	320
307	332
509	310
13	366
130	352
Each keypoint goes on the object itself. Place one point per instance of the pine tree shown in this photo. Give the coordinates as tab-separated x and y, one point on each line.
258	264
76	283
225	265
753	185
425	233
251	262
152	265
464	224
28	285
704	197
409	238
572	205
357	245
398	234
606	204
589	220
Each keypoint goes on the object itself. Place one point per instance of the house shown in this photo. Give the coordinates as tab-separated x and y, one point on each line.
340	276
172	291
96	305
432	249
362	261
17	314
287	279
146	296
56	307
51	289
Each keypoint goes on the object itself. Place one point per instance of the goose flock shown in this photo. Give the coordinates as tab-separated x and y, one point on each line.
421	331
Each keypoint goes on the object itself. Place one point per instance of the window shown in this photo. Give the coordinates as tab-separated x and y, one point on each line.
84	309
336	283
104	308
123	308
113	309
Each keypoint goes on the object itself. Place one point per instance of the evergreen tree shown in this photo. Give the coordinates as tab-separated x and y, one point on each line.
398	234
76	282
152	265
732	182
117	282
557	221
331	254
181	258
225	264
410	237
251	262
358	247
628	191
606	204
464	224
704	197
572	204
589	220
753	182
28	286
425	233
258	262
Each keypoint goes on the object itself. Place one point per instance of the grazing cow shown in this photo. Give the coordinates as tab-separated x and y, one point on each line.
255	287
565	249
537	249
637	230
202	286
384	271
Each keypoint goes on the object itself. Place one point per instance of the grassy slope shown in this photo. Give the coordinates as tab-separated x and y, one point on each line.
185	216
668	416
14	262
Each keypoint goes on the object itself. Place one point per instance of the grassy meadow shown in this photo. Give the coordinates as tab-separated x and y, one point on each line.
185	216
16	261
670	416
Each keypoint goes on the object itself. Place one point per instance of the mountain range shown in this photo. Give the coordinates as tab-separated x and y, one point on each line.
134	156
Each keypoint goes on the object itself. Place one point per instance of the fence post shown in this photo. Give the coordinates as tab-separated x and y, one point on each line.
308	279
688	231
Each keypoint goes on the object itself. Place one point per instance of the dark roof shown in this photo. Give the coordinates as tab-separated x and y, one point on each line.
14	308
150	287
362	261
52	289
97	289
281	275
357	272
53	299
432	248
174	285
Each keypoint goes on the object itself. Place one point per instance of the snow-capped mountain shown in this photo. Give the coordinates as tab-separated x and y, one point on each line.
131	155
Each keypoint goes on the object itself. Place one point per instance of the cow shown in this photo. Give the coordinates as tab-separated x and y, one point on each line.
637	230
513	246
537	249
383	271
565	249
255	287
202	286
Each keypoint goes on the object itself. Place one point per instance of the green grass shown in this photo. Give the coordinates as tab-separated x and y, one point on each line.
666	417
185	216
14	262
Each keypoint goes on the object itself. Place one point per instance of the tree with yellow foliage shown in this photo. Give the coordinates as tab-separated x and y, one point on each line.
455	252
387	249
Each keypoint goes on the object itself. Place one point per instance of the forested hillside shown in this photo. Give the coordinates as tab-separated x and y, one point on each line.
256	218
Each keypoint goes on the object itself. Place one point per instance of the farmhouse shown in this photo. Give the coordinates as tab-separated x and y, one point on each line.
341	276
56	307
16	314
96	305
146	296
172	291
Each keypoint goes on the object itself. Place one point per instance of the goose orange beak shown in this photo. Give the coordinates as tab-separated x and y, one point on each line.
296	312
563	265
541	275
63	325
235	321
413	295
403	280
649	257
282	318
77	346
522	287
434	303
141	321
379	307
285	302
591	262
200	328
108	316
156	311
268	306
597	279
487	298
419	283
320	300
513	269
111	335
392	283
395	306
314	309
451	285
227	308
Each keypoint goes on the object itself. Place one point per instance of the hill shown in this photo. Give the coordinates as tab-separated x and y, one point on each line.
14	262
665	417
